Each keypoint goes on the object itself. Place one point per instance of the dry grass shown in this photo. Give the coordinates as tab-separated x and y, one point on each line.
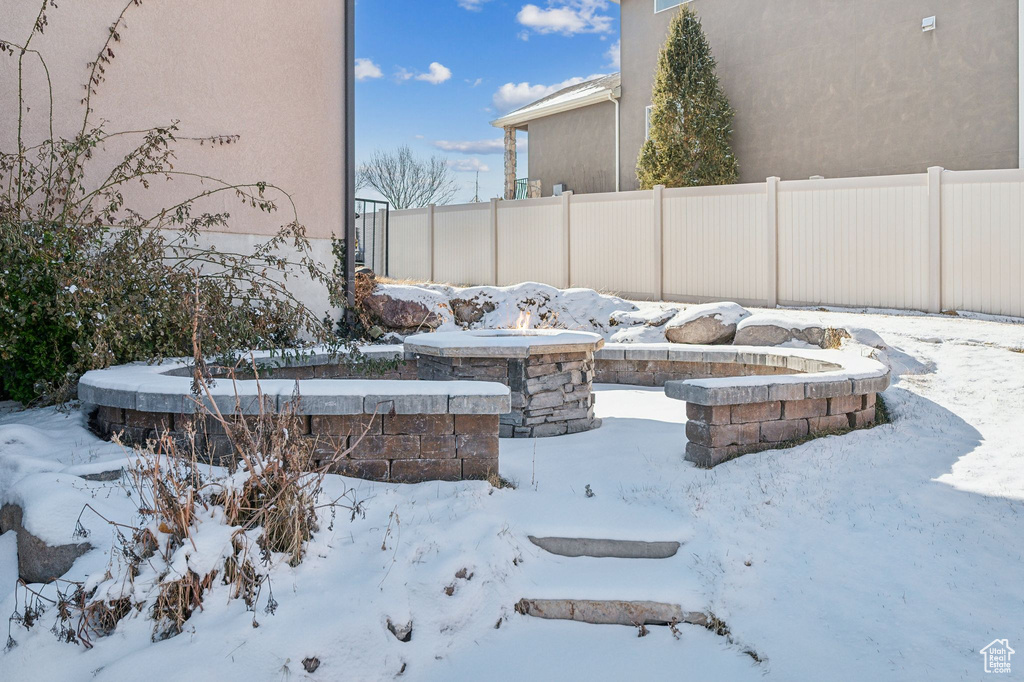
500	482
271	498
176	601
834	338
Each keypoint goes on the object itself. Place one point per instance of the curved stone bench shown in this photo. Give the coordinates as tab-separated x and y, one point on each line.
423	430
739	400
772	397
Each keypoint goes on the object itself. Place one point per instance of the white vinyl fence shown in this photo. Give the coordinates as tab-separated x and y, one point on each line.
942	240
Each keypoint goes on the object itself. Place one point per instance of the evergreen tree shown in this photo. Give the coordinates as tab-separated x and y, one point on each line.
691	121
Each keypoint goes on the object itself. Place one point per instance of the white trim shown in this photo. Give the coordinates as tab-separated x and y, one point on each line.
516	119
670	7
614	97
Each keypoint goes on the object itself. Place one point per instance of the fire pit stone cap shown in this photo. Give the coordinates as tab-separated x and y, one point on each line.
503	343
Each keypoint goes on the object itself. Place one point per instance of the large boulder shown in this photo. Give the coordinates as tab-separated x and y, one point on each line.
398	313
38	562
772	330
469	311
710	324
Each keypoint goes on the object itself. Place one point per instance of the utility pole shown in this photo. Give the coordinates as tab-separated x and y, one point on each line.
476	194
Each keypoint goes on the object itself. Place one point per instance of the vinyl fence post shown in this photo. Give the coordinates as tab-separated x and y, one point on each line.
772	188
935	239
659	230
430	232
566	237
494	238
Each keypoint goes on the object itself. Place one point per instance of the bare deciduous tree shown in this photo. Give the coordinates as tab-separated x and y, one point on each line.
407	181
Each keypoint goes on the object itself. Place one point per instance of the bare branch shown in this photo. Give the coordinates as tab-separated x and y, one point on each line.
407	181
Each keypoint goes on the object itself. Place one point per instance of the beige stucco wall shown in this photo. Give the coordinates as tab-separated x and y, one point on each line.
266	70
839	89
576	148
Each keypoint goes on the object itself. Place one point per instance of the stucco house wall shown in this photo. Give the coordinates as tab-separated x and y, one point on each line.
844	89
268	71
576	148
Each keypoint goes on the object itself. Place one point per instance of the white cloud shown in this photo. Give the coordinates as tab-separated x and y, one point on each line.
472	5
514	95
475	83
402	74
468	166
495	146
614	55
438	74
366	69
567	17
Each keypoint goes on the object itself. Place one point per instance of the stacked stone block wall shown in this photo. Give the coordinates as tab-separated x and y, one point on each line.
403	448
386	370
657	372
551	393
718	433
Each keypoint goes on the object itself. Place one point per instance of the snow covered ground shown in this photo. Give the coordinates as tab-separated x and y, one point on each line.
893	553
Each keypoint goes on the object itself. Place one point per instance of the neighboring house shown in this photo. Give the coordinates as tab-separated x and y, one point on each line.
836	89
572	138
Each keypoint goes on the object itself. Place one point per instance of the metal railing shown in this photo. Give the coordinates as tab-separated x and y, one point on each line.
523	188
372	218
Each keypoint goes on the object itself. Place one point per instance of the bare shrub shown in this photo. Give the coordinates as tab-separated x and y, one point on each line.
262	513
91	278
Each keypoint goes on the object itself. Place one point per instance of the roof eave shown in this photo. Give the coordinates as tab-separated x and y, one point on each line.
519	118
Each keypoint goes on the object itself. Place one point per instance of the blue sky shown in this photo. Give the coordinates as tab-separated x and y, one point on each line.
433	73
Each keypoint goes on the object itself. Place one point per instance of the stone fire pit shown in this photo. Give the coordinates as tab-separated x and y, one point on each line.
550	373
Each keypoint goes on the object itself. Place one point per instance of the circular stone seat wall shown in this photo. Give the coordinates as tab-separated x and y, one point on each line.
738	400
389	429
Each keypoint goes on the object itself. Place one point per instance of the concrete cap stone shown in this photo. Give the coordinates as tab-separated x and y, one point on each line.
502	343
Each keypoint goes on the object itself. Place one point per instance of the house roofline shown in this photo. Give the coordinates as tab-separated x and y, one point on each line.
520	117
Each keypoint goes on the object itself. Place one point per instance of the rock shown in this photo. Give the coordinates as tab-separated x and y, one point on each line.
610	612
311	664
470	311
403	633
770	330
396	313
366	272
103	476
619	549
647	318
711	324
39	562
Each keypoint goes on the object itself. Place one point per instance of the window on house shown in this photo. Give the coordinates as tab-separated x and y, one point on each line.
647	129
662	5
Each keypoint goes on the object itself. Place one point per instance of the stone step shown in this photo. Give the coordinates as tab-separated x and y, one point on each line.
597	548
610	612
